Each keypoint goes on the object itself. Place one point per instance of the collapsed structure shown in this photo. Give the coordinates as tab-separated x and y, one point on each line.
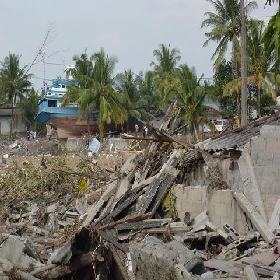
175	211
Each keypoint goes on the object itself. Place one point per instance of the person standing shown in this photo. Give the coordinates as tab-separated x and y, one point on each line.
145	131
136	130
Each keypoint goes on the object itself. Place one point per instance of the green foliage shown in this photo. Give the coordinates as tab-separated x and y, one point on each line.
190	100
271	40
266	101
13	78
259	61
225	29
83	70
165	73
132	100
13	82
29	106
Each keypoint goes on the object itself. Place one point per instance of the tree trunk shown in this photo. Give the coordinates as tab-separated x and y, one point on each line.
259	100
243	65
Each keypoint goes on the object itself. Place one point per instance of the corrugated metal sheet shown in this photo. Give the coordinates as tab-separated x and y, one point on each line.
236	139
192	156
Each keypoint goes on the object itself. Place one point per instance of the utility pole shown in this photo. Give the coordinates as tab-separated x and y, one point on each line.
243	36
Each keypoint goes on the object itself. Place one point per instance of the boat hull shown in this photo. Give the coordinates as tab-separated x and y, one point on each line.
73	127
66	120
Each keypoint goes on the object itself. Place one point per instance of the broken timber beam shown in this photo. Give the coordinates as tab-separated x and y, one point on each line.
132	218
255	217
95	208
149	223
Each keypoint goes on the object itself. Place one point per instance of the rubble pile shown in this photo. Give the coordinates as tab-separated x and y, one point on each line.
84	220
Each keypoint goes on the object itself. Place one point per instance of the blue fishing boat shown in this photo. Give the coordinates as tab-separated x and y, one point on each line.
66	120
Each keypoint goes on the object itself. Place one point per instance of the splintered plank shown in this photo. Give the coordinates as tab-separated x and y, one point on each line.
150	192
110	237
151	223
128	198
132	218
162	191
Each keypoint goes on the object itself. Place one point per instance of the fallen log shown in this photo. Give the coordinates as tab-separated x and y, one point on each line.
77	263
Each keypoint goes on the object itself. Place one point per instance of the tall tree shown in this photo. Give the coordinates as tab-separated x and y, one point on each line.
259	61
225	30
165	69
147	88
190	101
271	42
133	101
29	106
14	81
101	94
83	70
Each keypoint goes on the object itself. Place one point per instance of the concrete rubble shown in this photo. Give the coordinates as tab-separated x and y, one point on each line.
162	209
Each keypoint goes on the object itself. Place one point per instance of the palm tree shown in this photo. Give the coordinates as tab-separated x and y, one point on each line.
147	88
133	102
14	80
259	61
101	93
225	29
29	106
165	69
83	70
190	101
271	42
225	24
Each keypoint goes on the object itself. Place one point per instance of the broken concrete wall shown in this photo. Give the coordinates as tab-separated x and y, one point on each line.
265	154
219	204
257	172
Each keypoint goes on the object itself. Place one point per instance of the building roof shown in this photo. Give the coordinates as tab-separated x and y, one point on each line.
7	112
237	138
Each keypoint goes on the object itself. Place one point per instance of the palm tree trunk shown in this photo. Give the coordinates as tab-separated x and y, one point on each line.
88	119
243	36
259	100
235	76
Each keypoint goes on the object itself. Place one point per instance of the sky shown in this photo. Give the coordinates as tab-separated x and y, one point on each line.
127	29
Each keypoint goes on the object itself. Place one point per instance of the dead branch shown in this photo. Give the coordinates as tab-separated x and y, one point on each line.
40	51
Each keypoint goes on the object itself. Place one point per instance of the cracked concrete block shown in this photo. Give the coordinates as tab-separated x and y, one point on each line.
153	259
17	251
